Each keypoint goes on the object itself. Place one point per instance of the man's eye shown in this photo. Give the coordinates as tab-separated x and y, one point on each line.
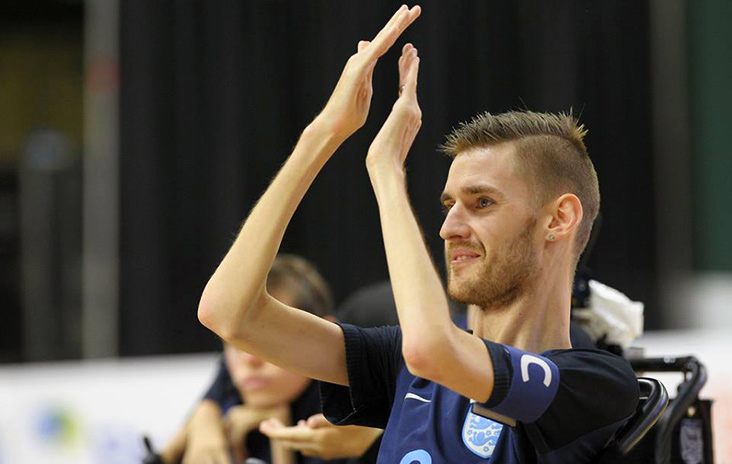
484	202
446	208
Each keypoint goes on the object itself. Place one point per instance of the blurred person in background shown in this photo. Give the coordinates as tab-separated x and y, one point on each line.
248	391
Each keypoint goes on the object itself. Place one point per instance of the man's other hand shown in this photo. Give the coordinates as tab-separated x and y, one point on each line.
348	106
392	143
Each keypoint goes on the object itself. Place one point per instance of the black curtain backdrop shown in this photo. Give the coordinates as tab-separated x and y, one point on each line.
215	94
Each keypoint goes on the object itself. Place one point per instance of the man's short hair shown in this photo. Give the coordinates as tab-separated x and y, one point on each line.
551	154
299	276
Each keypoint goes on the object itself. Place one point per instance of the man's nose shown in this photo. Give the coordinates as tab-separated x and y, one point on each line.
454	226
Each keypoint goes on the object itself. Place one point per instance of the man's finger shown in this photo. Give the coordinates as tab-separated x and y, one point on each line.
403	61
393	29
408	71
362	44
394	18
413	74
387	36
389	27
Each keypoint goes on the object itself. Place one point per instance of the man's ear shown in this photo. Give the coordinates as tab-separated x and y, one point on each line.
566	214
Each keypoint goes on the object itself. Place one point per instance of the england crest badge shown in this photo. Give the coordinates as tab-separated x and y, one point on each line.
480	435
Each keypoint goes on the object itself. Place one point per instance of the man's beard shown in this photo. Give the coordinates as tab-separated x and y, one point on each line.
503	280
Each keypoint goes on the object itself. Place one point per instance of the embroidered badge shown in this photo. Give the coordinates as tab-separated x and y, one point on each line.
480	435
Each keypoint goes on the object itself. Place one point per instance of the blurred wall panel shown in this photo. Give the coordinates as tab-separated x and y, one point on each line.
710	71
50	212
698	165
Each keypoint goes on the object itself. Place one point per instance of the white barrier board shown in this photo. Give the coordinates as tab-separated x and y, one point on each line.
95	412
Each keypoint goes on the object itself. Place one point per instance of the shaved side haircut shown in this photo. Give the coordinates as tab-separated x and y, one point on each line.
551	155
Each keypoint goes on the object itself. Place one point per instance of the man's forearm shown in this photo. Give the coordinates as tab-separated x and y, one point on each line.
421	301
239	281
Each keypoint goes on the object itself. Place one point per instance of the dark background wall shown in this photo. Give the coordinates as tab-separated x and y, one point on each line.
214	95
710	69
41	88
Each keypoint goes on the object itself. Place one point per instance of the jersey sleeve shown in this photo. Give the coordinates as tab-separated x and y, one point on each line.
373	360
562	395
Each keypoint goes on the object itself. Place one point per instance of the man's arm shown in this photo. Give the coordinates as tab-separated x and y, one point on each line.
235	303
433	347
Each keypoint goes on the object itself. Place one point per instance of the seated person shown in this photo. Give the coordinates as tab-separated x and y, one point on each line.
247	391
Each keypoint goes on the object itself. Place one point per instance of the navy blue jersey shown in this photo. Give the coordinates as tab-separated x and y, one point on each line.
562	406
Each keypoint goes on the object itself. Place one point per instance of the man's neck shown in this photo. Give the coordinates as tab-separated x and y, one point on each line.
537	321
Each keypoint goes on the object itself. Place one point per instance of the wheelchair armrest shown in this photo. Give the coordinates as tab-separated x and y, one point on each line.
647	415
654	401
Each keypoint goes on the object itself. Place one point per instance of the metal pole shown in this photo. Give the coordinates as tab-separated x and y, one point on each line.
101	180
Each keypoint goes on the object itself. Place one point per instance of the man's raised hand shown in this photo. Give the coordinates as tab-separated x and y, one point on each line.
348	106
392	143
234	303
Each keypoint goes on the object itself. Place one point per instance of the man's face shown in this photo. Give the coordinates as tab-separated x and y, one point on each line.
491	248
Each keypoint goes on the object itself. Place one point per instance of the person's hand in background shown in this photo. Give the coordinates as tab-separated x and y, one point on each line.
319	438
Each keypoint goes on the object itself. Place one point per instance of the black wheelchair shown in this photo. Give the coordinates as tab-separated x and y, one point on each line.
663	430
